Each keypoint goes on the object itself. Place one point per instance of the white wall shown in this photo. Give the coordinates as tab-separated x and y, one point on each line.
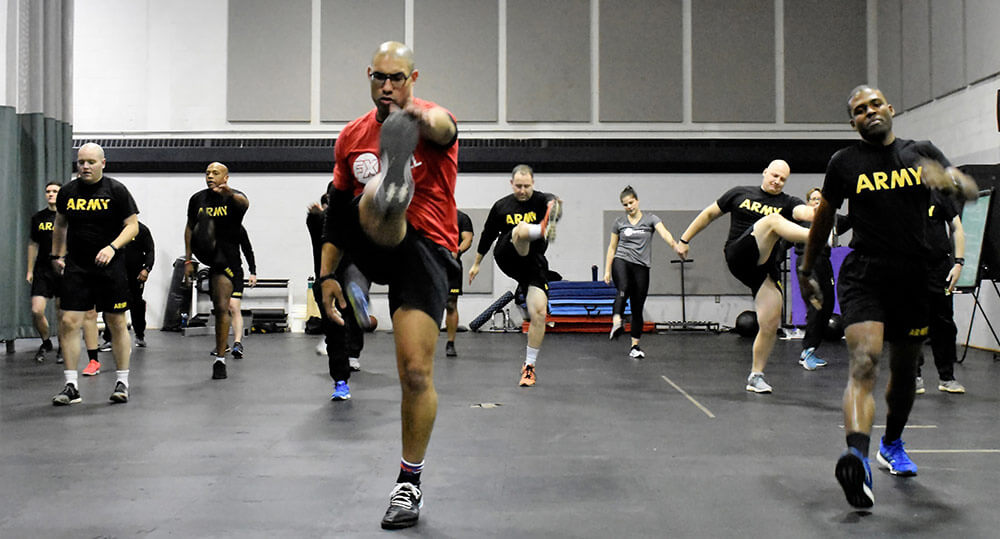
276	224
964	126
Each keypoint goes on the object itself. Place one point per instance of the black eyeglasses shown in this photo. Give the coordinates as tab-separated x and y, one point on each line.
397	79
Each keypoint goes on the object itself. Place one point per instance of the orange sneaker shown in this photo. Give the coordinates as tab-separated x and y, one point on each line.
93	368
553	212
527	375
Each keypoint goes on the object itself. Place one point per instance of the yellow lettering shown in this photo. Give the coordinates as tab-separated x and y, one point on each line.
755	207
880	180
917	173
122	305
864	183
510	219
745	204
900	178
930	211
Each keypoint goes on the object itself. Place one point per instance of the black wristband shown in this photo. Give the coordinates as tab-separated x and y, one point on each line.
113	248
684	241
960	261
324	278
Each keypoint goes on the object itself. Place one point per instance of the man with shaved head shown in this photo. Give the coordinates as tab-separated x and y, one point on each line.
212	234
883	282
96	218
761	217
392	210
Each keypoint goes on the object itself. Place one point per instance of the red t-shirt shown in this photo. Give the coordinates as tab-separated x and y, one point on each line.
434	170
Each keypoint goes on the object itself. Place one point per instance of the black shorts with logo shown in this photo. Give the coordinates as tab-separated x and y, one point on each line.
224	260
102	288
529	270
45	282
891	291
741	257
417	270
455	281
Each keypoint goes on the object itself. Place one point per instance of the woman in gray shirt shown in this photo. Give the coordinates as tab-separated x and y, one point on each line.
628	263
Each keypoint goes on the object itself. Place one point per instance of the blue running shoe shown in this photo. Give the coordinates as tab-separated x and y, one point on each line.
341	391
359	304
894	457
809	361
855	477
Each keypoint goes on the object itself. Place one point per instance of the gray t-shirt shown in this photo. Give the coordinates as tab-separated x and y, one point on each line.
633	240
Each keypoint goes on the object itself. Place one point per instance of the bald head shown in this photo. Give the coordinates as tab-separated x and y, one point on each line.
90	162
216	174
775	176
396	51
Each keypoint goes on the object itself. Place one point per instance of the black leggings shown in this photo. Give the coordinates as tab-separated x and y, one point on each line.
632	281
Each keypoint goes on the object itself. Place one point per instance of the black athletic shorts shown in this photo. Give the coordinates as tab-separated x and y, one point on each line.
891	291
417	270
741	257
455	281
102	288
45	282
224	260
529	270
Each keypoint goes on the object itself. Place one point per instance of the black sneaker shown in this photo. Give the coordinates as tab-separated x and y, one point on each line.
404	507
40	354
69	395
219	370
449	349
140	342
59	358
238	350
120	393
399	137
104	347
636	352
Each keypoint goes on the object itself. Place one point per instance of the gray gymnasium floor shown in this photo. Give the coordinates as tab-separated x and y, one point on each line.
603	446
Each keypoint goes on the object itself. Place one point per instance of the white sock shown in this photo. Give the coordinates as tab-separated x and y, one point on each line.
221	358
71	377
752	374
122	376
535	232
530	356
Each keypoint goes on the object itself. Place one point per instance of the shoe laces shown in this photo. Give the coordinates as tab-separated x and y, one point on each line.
404	495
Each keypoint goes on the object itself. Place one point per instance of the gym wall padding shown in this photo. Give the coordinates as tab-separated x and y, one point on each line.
708	275
825	48
459	72
732	63
548	61
947	43
916	47
630	60
982	41
269	61
889	50
350	32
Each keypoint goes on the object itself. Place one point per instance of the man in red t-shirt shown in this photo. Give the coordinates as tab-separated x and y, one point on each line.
392	208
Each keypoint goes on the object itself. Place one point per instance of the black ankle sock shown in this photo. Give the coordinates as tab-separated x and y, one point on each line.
409	477
859	441
47	343
92	354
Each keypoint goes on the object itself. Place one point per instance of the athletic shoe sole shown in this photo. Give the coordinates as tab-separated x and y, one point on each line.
851	475
552	216
359	304
400	134
884	462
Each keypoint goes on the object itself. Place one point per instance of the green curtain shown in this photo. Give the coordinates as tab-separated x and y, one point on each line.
33	151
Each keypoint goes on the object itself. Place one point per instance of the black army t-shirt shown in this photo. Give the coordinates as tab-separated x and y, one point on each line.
748	204
507	212
95	215
41	234
224	211
888	199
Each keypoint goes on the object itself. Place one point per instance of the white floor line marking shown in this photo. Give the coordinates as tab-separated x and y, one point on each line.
689	397
953	450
